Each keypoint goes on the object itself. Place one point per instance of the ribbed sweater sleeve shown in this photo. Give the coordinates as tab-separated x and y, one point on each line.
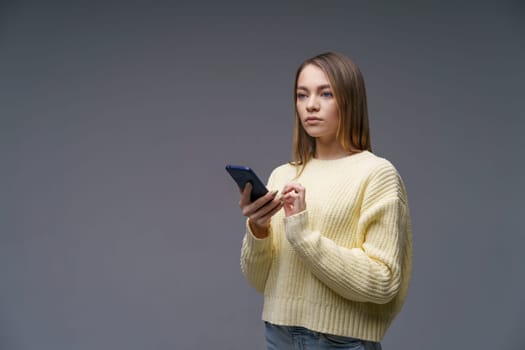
256	258
372	271
256	255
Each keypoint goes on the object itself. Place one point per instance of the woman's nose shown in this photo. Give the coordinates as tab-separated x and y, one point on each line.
313	104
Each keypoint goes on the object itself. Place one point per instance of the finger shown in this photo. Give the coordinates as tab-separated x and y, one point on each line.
275	210
292	186
245	196
269	207
302	193
299	188
290	196
260	202
266	212
251	208
288	187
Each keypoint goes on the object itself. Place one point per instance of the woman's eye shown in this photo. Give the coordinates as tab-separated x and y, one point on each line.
300	96
327	94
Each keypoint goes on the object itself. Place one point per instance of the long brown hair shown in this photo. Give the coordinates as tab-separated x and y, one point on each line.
349	91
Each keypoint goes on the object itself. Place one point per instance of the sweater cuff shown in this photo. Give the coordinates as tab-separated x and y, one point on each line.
297	231
256	244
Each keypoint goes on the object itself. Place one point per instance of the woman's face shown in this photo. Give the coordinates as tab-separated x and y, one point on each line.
316	104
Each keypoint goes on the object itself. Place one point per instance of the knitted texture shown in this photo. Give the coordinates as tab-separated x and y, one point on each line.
343	265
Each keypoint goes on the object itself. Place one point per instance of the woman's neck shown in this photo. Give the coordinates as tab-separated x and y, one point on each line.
329	150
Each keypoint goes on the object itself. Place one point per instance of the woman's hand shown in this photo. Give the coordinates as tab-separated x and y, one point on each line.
260	211
294	199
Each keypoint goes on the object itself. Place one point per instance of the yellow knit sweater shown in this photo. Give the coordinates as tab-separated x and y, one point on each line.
342	266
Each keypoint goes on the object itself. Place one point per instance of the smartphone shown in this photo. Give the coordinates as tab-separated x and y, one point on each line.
242	175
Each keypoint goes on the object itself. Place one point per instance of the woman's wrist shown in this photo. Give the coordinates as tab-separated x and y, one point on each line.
259	231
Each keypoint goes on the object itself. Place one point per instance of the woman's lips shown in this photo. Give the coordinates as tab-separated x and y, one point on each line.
312	120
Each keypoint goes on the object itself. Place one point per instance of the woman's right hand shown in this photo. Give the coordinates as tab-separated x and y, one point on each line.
260	211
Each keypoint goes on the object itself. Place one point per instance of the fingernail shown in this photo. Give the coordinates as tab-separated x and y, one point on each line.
274	193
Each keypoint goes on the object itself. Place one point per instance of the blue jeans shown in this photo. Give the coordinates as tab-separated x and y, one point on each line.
300	338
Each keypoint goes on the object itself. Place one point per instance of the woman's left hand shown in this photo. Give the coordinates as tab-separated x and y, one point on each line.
293	196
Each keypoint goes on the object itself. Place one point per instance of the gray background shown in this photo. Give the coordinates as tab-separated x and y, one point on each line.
120	229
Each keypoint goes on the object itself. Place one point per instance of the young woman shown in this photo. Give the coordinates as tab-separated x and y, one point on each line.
330	245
